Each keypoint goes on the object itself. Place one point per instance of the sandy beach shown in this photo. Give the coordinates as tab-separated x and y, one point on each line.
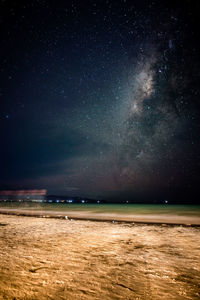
45	258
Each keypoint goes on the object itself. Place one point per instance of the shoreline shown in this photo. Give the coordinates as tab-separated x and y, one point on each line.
151	219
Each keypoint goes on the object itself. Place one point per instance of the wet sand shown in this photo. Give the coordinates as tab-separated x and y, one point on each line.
91	215
44	258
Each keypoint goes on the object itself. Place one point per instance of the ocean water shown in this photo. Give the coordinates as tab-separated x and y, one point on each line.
182	210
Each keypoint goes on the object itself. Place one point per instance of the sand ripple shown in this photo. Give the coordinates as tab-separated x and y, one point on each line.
62	259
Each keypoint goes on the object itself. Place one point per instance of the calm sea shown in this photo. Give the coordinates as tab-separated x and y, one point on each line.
111	208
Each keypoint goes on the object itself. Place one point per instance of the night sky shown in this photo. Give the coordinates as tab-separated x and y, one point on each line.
101	98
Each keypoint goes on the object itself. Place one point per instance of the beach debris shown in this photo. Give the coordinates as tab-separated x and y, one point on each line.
3	224
60	282
113	221
126	287
34	270
66	217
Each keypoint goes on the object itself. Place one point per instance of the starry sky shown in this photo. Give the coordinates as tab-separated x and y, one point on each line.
100	98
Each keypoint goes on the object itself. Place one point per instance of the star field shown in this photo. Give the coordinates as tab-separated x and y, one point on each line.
100	98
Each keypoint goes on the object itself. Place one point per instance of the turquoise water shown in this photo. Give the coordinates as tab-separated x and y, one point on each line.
182	210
